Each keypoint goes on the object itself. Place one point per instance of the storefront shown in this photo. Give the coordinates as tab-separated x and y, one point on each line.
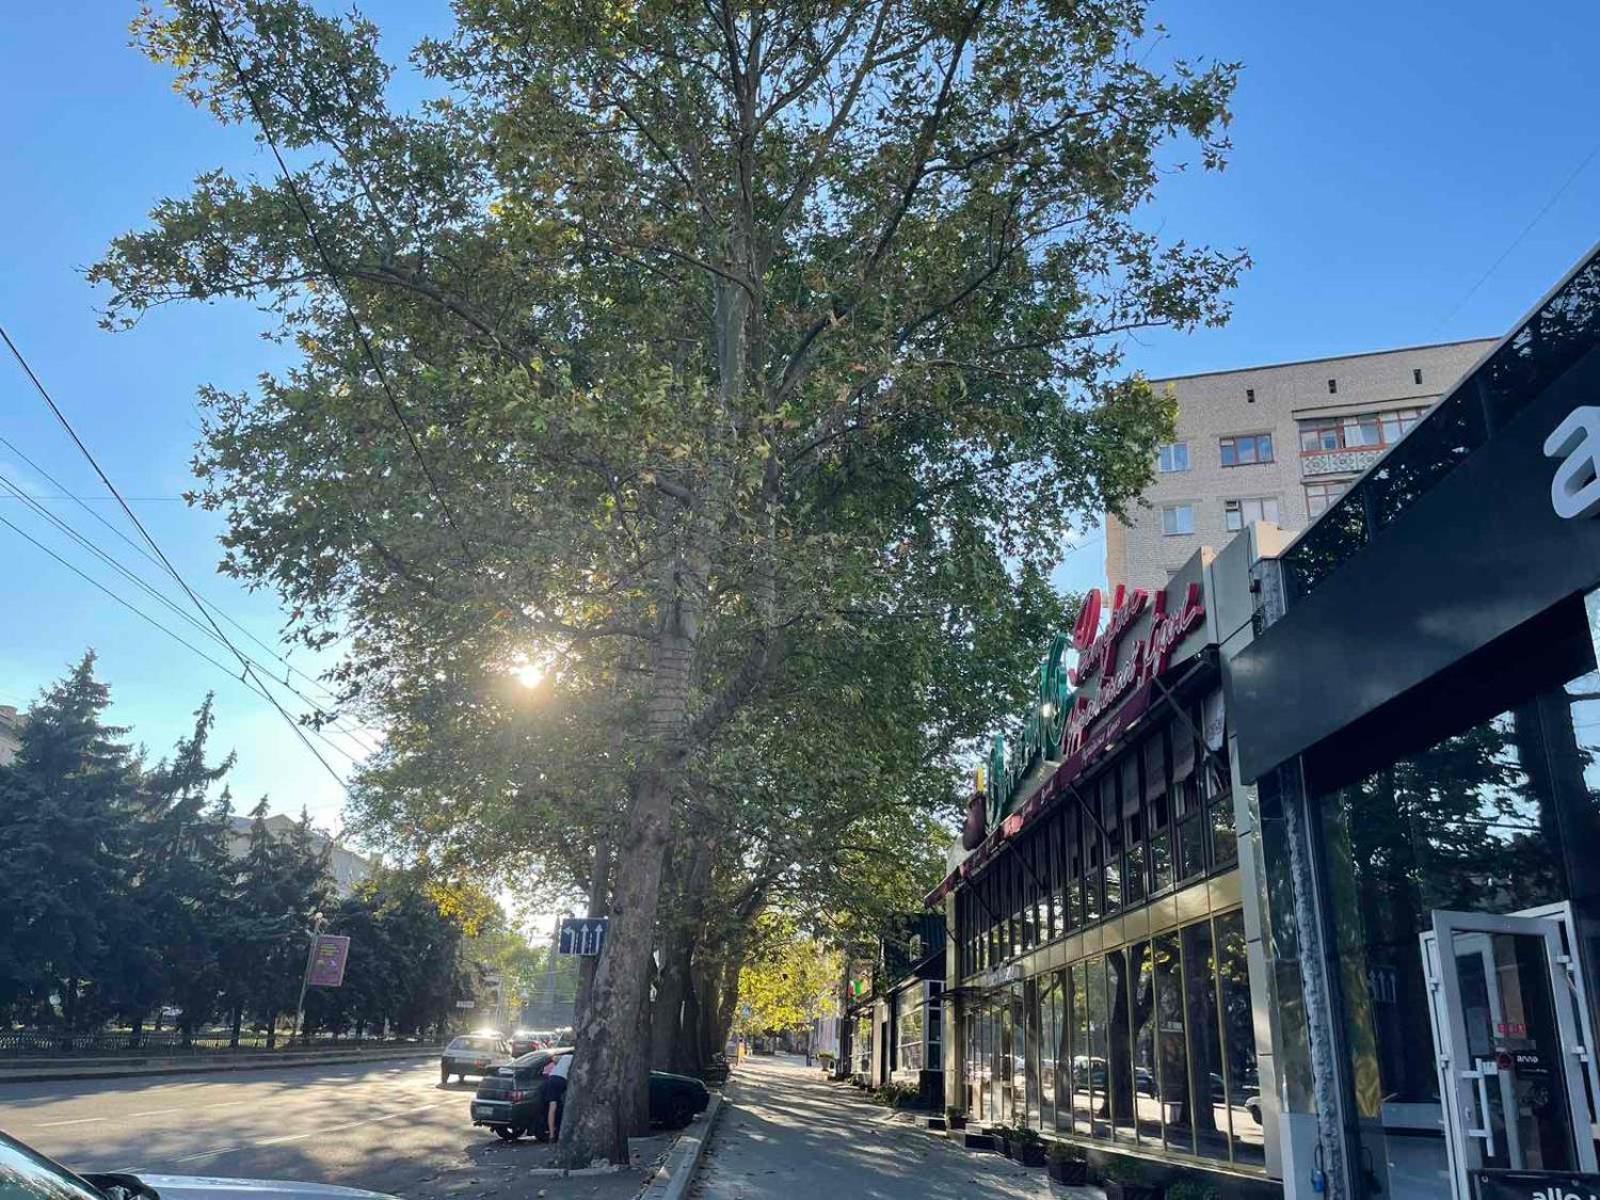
1099	957
1420	712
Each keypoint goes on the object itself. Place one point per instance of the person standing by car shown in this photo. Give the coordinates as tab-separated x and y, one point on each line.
555	1091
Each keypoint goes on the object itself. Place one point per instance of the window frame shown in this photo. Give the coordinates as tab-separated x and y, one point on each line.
1257	441
1174	508
1234	507
1391	425
1168	452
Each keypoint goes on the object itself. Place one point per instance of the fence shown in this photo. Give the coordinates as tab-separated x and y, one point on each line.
18	1043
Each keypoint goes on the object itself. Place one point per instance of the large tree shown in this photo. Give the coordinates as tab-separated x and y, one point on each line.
711	325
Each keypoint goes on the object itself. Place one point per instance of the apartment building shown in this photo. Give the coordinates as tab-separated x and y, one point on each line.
1274	443
11	723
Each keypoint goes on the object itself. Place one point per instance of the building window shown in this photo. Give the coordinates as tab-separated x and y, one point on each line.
1174	457
910	1014
1363	431
1246	449
1333	387
1177	519
1416	375
1320	495
1249	395
1236	514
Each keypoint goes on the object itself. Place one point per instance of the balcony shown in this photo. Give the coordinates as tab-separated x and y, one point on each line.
1347	460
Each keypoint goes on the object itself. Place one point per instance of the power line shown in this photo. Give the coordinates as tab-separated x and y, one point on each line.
138	581
1526	230
180	639
232	53
165	562
138	549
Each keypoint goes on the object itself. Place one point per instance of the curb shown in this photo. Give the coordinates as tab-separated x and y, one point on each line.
673	1177
131	1071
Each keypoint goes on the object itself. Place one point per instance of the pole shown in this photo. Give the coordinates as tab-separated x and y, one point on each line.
305	978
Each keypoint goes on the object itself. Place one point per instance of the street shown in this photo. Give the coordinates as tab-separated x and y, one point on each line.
788	1133
386	1126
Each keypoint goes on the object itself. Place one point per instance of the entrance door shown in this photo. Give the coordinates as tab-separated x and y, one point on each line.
1510	1056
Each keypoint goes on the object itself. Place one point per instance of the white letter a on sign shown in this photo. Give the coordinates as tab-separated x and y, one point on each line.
1575	490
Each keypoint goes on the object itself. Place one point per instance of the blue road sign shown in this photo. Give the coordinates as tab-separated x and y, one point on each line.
582	936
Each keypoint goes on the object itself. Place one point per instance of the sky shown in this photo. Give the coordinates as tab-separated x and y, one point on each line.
1401	174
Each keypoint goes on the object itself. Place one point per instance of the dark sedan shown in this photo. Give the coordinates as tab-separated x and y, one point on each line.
509	1100
472	1054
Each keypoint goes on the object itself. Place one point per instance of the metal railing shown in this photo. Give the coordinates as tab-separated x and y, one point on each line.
45	1043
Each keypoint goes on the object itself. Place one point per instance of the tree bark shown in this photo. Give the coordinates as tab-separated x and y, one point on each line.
680	932
235	1025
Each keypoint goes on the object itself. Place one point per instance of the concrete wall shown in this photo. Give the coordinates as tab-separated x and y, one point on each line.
1217	405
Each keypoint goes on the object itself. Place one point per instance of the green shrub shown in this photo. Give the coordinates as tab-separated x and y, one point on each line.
1065	1152
1188	1189
1023	1136
1126	1170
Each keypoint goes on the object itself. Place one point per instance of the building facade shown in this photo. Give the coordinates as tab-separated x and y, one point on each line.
11	723
1274	443
1286	883
345	866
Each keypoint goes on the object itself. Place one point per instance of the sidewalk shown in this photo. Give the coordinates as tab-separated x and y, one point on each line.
788	1133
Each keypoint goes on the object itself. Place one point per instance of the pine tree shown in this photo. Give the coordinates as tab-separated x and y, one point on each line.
66	805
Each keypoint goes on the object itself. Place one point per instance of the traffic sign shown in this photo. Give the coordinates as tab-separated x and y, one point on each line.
466	1004
582	937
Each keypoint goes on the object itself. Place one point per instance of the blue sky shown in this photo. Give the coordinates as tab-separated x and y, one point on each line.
1387	156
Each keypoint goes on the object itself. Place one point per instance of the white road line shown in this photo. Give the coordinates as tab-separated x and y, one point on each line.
79	1121
297	1137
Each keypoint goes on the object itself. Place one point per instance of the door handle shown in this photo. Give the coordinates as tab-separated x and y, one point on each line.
1480	1076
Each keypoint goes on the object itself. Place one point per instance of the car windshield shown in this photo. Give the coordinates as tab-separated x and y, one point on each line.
26	1175
474	1043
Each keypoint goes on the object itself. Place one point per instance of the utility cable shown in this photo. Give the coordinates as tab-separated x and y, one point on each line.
139	612
137	548
154	546
9	486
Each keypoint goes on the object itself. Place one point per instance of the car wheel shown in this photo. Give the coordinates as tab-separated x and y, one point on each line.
506	1133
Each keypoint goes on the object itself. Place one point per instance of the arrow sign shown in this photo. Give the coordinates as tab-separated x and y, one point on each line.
583	936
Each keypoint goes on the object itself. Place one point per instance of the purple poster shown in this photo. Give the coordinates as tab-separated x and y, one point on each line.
328	959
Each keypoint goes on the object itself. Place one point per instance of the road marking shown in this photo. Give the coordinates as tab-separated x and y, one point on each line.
79	1121
297	1137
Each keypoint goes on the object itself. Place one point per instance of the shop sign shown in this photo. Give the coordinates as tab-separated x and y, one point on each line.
1057	726
1535	1185
1150	657
1575	490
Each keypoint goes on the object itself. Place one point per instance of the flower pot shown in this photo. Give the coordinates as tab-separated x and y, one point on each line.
957	1122
1069	1170
1030	1155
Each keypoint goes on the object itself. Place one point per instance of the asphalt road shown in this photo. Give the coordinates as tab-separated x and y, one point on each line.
387	1126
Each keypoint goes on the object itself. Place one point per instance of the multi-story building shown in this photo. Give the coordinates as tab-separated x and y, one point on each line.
10	733
1274	443
345	866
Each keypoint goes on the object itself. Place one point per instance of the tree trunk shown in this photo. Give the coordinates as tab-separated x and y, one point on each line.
599	905
680	931
235	1024
272	1031
728	998
605	1066
136	1034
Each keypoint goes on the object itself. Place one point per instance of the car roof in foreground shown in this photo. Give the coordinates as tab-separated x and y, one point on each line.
209	1187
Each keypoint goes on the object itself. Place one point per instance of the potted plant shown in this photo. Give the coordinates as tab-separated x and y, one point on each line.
954	1118
1002	1138
1130	1179
1027	1147
1067	1164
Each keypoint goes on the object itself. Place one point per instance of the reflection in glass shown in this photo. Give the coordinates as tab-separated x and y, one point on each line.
1119	1047
1239	1040
1147	1102
1095	1066
1205	1043
1172	1053
1049	1032
1082	1121
1030	1062
1065	1043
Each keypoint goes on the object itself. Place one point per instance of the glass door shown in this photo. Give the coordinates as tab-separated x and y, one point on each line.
1509	1052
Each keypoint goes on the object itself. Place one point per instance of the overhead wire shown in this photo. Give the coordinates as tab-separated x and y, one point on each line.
105	479
139	612
15	491
138	549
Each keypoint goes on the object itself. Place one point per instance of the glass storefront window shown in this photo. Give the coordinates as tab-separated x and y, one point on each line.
1119	1045
1082	1108
1110	820
1206	1066
1031	1063
1172	1057
1049	1033
1238	1030
1146	1099
1065	1044
1094	1065
911	1028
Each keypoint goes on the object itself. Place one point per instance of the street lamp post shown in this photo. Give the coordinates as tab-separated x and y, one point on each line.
305	978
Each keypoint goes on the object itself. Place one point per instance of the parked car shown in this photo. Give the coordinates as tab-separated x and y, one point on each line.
25	1174
525	1041
472	1054
510	1098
